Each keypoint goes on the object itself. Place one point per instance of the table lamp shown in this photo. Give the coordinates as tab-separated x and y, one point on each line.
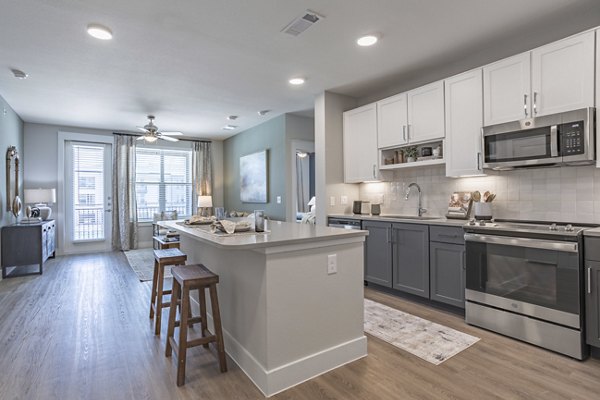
204	203
41	198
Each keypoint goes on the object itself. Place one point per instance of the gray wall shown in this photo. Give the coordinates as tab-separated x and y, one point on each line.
276	136
11	134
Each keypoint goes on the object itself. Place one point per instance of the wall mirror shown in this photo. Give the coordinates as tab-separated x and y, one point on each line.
13	201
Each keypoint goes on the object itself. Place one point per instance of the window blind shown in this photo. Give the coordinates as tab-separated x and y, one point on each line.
163	182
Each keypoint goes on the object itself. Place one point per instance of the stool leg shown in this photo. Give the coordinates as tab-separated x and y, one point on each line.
172	314
214	302
153	293
203	322
185	299
159	298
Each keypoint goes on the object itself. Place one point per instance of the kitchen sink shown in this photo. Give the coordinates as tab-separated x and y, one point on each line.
423	218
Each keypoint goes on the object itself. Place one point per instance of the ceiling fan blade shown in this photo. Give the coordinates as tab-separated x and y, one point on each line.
174	133
141	128
141	138
168	138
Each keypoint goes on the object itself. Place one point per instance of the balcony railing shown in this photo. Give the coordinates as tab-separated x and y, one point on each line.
88	222
146	213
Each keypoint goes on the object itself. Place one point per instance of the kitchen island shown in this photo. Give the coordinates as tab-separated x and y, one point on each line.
285	318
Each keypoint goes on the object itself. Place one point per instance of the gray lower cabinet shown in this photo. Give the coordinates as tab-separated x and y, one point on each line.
378	253
410	258
447	265
592	290
27	244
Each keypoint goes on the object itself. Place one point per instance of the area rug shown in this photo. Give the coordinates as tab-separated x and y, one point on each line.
141	262
430	341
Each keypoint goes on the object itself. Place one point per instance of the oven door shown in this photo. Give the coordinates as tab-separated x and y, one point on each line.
537	146
534	277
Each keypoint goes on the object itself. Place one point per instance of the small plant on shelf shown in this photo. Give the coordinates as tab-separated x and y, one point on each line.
410	153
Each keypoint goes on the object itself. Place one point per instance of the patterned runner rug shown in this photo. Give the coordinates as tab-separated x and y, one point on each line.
141	262
430	341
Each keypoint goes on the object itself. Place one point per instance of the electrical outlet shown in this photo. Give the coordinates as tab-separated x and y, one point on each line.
332	264
332	201
278	199
343	200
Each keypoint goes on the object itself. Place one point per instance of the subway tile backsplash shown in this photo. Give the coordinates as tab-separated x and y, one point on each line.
565	194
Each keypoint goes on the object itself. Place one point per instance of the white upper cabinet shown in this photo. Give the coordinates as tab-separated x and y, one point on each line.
551	79
392	121
597	97
506	88
360	144
426	113
563	75
464	119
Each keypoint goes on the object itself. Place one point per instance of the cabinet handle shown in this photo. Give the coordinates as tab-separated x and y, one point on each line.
589	280
387	235
408	132
404	132
535	103
374	176
525	104
479	161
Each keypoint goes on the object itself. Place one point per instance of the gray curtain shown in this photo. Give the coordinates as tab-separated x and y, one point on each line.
202	171
124	226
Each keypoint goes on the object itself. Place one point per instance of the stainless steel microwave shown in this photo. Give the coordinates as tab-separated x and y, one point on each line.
552	140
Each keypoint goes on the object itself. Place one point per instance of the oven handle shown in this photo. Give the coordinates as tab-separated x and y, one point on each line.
568	247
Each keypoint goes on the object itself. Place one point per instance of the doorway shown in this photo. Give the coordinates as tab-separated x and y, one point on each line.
303	178
87	191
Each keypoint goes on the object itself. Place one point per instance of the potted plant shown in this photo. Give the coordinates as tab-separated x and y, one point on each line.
410	153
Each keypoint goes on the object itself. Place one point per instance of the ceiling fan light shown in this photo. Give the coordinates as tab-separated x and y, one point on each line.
150	138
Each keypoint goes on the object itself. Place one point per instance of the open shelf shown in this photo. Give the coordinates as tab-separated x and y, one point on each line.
390	153
414	164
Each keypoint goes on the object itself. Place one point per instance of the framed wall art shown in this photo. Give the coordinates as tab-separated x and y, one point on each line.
253	177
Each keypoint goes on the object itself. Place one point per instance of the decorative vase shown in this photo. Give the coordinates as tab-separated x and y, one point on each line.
410	159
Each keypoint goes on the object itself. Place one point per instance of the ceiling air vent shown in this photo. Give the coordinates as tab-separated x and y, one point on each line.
302	23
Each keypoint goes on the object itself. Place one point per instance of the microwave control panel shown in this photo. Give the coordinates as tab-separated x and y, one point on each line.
571	138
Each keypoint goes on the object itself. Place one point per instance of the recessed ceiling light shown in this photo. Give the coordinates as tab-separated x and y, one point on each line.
367	40
229	127
99	31
297	81
17	73
232	117
263	112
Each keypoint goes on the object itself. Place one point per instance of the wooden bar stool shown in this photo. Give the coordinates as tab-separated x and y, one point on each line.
186	278
162	258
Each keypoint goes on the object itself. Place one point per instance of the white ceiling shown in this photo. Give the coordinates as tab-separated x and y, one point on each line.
193	62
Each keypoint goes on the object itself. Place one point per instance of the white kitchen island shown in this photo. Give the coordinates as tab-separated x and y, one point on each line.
285	319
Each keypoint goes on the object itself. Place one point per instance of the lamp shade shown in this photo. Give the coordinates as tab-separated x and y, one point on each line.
205	201
40	196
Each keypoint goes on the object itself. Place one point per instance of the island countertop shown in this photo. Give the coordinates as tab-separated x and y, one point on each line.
277	234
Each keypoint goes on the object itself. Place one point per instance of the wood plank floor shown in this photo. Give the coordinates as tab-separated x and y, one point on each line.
81	331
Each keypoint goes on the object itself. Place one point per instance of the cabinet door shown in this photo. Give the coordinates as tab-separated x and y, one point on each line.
597	97
464	119
426	113
360	144
592	302
378	253
447	273
392	121
563	75
506	90
410	258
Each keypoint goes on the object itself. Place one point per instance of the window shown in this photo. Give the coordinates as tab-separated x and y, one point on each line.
163	182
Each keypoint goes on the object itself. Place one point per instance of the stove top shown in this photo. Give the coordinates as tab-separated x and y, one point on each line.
546	228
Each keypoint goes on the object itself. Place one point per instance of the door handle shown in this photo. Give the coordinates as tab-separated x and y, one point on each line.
109	210
525	104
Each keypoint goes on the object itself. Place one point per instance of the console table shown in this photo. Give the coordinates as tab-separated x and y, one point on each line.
27	244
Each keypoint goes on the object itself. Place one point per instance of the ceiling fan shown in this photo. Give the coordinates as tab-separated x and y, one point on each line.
151	132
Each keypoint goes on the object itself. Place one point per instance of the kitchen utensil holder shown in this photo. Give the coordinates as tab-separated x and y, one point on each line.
483	210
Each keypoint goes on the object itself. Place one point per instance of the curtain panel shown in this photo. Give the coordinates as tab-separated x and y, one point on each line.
124	226
202	171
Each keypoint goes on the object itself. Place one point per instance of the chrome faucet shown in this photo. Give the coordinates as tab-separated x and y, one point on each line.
420	210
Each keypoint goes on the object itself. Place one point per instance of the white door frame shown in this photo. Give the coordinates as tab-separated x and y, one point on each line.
63	138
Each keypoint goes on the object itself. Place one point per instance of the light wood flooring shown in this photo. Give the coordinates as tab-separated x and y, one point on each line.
81	331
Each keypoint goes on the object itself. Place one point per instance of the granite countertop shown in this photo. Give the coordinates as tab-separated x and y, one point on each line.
396	218
278	234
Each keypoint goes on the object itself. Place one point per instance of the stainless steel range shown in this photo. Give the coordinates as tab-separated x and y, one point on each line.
525	280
